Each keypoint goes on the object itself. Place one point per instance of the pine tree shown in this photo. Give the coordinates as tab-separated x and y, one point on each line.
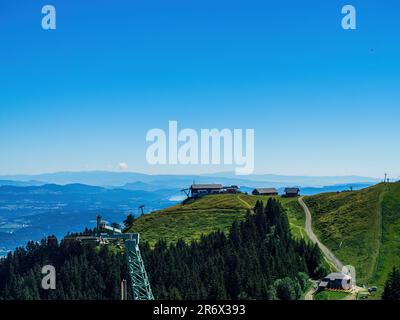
128	222
257	260
392	286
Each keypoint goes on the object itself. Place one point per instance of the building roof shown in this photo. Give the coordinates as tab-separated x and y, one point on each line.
206	186
292	190
266	190
337	275
323	284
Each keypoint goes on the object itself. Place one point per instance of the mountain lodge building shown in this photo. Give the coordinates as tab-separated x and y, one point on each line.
265	192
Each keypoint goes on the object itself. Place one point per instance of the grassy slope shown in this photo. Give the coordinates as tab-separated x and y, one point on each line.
330	295
390	248
296	217
361	228
206	215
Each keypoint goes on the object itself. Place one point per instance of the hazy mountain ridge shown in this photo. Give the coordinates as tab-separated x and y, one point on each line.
117	179
69	201
21	183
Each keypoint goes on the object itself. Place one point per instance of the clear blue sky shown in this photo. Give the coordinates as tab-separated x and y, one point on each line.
322	101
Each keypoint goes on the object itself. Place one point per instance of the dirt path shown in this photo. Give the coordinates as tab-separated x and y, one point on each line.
301	229
329	256
310	293
245	203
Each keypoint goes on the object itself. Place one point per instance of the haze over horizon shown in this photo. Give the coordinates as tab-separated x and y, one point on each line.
212	173
153	182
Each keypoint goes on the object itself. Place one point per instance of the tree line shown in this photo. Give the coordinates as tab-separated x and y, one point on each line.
392	286
83	271
257	259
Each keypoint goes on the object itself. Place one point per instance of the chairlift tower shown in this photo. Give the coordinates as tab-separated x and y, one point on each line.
141	208
141	289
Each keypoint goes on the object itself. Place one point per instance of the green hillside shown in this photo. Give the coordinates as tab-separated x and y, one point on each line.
362	228
207	214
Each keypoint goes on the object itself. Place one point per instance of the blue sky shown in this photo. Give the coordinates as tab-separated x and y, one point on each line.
322	100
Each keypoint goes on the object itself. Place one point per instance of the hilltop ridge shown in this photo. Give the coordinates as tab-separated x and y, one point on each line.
361	227
191	219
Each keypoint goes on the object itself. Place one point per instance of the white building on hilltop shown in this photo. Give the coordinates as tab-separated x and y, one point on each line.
337	281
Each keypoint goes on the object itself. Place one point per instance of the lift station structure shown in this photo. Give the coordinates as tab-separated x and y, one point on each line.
104	234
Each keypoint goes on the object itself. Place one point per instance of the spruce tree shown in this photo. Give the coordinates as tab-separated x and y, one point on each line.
392	286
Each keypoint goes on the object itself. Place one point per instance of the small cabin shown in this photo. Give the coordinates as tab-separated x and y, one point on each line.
265	192
292	192
336	281
197	190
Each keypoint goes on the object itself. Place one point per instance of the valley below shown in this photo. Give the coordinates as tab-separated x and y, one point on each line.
32	213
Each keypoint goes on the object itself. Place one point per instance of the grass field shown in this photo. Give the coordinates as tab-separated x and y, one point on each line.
296	217
207	214
330	295
390	247
362	228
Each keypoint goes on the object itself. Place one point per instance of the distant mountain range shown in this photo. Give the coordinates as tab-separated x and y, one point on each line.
21	183
140	181
308	191
33	206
